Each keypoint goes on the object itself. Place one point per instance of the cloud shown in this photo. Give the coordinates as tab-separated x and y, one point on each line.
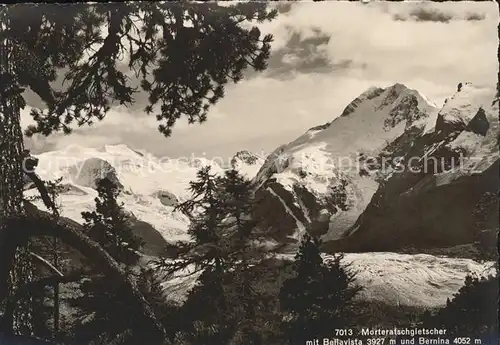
377	47
316	68
301	54
474	16
431	13
426	15
283	7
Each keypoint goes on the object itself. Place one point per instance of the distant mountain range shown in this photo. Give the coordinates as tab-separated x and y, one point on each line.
393	172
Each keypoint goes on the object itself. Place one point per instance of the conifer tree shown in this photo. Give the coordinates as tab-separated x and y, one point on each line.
182	54
205	212
319	298
149	282
45	301
221	228
104	310
471	312
207	310
109	227
487	220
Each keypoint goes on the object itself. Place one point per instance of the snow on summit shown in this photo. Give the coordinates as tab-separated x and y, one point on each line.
150	185
143	178
327	157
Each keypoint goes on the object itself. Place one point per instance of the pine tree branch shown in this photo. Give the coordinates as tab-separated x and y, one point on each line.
17	231
44	193
46	264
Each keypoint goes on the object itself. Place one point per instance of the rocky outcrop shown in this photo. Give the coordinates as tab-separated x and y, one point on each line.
367	95
433	216
167	198
244	156
479	123
91	171
70	189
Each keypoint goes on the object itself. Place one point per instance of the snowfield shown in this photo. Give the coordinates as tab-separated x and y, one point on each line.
412	280
144	178
396	279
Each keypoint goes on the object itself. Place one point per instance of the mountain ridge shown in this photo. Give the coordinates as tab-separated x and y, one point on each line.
409	132
310	167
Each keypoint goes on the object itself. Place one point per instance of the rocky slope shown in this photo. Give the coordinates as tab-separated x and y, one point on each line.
450	167
322	181
392	172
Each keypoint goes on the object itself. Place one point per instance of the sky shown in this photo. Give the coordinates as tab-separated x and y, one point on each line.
324	55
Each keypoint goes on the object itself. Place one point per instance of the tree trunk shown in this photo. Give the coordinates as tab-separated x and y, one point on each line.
18	230
7	323
498	56
11	174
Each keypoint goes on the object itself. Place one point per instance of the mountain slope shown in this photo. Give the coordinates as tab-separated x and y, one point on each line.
323	181
151	187
392	173
432	205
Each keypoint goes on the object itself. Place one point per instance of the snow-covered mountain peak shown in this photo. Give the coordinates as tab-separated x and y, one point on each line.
461	108
247	163
144	178
325	161
395	100
151	186
367	124
339	166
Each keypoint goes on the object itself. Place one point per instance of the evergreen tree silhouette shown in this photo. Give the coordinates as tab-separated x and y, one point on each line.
207	310
104	308
109	227
487	220
319	298
472	311
246	301
221	228
183	54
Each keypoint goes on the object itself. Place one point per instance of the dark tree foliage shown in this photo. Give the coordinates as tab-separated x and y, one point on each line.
224	307
109	227
207	312
319	298
45	301
204	209
104	314
472	311
248	306
182	53
169	313
238	196
486	216
220	214
104	309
